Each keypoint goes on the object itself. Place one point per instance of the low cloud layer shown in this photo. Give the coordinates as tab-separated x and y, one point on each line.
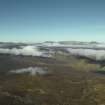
93	51
30	70
27	50
90	53
75	45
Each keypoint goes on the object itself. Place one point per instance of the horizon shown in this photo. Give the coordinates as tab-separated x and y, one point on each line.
48	41
52	20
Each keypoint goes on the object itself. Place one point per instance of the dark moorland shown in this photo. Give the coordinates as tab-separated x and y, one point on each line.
70	81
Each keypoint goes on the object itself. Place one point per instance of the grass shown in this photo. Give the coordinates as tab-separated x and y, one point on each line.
70	82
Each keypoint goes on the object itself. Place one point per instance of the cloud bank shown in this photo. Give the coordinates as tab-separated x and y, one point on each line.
30	70
93	51
89	53
26	50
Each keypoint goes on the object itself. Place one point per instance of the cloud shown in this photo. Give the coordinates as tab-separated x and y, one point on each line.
90	53
30	70
26	50
32	50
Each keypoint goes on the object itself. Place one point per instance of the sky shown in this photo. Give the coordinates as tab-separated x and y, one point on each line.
52	20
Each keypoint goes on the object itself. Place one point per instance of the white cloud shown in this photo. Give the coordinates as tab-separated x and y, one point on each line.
30	70
90	53
27	50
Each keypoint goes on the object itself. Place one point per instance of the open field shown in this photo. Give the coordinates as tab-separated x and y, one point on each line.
70	81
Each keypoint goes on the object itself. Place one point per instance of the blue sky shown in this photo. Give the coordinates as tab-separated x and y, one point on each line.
56	20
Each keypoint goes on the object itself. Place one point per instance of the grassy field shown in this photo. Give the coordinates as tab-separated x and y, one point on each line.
70	81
